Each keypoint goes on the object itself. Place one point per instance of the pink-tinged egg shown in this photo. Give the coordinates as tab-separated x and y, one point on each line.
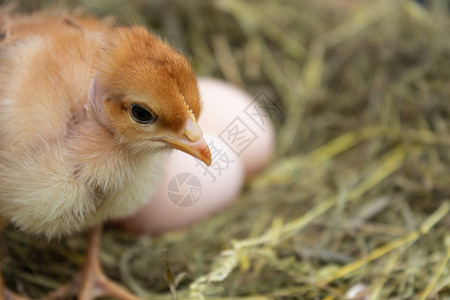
190	191
241	121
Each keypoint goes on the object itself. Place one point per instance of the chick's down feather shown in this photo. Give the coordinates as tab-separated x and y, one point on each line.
88	114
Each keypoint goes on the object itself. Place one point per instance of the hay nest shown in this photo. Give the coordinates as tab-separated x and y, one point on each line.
357	197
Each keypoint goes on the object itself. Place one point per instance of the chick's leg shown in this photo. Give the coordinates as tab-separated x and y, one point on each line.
6	294
91	282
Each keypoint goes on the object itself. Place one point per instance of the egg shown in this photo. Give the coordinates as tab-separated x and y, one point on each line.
241	121
190	191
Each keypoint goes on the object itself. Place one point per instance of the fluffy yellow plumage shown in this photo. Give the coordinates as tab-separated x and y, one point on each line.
88	112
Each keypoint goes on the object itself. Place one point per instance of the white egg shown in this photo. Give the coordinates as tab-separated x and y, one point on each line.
190	191
241	121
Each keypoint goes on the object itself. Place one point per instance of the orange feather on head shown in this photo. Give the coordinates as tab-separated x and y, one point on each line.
135	67
132	62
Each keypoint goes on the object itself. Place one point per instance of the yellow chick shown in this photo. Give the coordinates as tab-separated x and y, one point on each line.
88	113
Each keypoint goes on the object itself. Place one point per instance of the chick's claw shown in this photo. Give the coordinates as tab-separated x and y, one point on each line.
8	295
91	282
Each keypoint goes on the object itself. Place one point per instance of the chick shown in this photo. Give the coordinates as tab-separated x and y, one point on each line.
88	113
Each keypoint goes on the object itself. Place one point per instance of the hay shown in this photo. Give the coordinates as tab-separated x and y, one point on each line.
357	195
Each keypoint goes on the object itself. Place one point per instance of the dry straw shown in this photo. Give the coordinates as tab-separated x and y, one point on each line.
357	194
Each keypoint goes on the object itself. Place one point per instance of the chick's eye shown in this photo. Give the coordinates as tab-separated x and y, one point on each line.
141	114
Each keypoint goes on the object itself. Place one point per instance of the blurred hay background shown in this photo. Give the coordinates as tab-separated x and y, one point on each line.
357	195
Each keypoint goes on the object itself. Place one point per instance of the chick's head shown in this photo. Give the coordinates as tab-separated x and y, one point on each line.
146	93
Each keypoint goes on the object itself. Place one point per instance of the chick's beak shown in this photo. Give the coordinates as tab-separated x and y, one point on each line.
191	141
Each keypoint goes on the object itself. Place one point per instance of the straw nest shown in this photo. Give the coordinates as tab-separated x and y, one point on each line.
357	197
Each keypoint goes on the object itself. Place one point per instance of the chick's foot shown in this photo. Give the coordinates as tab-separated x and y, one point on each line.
91	282
8	295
